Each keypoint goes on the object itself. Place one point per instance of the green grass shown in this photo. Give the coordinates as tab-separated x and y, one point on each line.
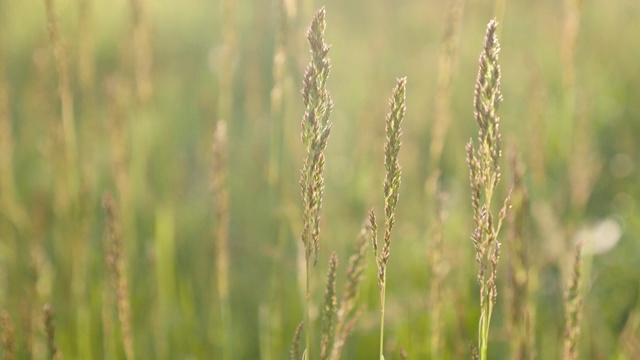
128	99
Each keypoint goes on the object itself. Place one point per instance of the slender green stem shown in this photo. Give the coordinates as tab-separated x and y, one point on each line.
382	300
308	305
485	324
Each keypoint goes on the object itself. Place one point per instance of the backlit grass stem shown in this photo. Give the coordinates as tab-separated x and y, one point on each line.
391	187
315	133
484	176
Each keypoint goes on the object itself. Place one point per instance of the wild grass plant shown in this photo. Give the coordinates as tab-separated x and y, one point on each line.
315	134
391	193
195	252
484	175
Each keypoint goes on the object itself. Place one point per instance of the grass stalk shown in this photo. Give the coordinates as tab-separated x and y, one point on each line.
142	48
447	61
65	94
437	272
348	313
50	329
9	204
307	316
279	126
573	309
221	196
119	279
315	133
391	187
7	335
294	352
329	310
484	176
86	69
518	304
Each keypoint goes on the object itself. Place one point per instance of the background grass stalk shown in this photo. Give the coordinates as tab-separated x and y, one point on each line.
221	200
519	314
573	308
65	94
348	313
119	278
50	329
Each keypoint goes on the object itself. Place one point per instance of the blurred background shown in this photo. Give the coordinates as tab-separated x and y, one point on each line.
123	97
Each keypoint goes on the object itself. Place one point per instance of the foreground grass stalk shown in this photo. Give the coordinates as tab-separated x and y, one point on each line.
315	133
391	187
484	176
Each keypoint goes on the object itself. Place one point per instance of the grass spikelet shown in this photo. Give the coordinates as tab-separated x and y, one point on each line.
315	133
329	309
391	187
573	309
347	313
294	352
118	270
50	329
484	176
7	335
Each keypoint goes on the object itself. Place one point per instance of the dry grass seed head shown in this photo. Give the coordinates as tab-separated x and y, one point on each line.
392	166
329	309
315	133
294	352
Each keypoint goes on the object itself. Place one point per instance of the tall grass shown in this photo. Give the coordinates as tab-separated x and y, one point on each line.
391	193
123	98
484	175
315	133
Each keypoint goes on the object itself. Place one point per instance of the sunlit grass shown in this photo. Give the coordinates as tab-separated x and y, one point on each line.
126	100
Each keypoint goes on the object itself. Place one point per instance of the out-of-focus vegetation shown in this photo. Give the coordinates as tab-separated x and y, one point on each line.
123	97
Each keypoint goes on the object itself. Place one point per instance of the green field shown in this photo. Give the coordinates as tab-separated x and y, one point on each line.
151	164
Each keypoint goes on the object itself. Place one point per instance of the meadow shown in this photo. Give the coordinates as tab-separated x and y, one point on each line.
253	179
